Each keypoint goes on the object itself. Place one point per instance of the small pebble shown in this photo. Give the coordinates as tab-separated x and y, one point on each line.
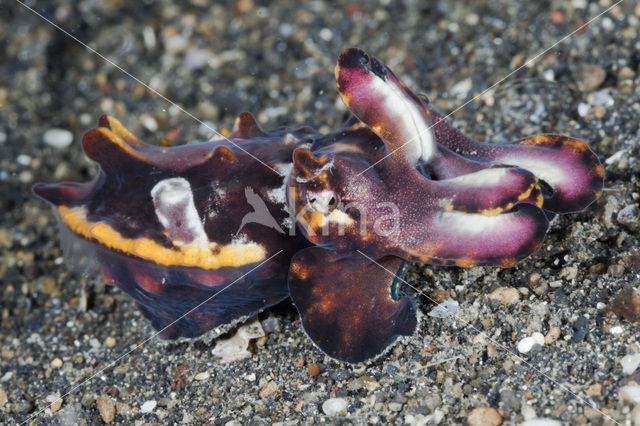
630	363
110	342
616	329
569	273
314	370
629	216
333	406
55	402
123	409
56	363
445	309
594	390
627	305
598	268
597	112
600	97
626	72
149	122
480	339
589	77
607	23
549	75
236	347
202	376
23	160
581	328
534	279
149	38
58	138
527	343
439	296
164	401
270	325
528	412
196	59
541	422
148	406
557	17
484	416
506	295
472	19
615	270
461	88
552	335
615	158
25	176
3	397
269	389
106	407
630	393
555	284
395	406
635	415
583	109
176	44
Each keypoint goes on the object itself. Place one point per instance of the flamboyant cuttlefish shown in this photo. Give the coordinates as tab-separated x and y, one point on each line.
202	235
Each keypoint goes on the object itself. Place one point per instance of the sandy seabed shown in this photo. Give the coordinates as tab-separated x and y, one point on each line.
275	59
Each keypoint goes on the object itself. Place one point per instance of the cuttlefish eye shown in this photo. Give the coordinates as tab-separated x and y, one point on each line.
373	65
378	68
323	201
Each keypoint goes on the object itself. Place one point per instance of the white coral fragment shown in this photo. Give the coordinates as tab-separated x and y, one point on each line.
236	347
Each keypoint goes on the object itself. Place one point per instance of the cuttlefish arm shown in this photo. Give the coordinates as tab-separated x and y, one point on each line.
489	214
398	116
349	305
572	172
569	171
376	96
485	218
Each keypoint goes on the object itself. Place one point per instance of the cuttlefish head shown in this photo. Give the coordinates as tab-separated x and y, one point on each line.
331	197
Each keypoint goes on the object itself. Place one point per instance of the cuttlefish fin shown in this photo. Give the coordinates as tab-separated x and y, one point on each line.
187	301
348	304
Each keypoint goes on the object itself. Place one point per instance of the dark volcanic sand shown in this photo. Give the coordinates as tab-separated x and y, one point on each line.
276	60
